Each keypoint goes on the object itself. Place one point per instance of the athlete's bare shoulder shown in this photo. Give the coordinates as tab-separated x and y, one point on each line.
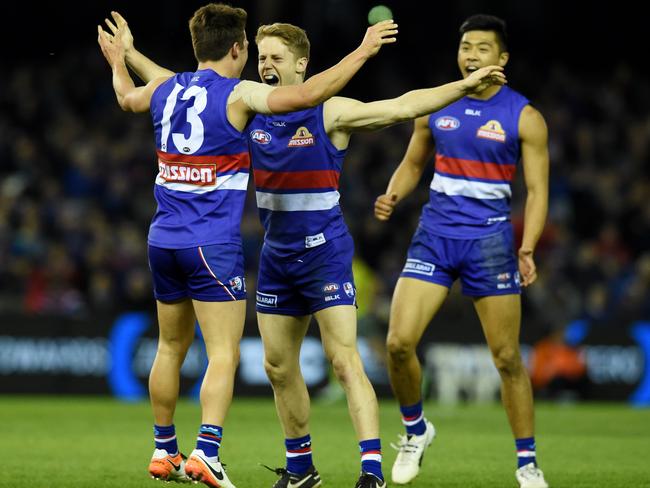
531	123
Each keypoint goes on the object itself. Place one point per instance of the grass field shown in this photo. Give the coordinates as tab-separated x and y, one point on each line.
98	442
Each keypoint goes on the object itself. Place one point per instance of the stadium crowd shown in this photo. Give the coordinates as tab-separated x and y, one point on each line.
76	179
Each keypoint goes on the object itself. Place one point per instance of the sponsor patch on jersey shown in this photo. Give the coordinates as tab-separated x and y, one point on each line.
199	174
348	288
419	267
237	283
447	122
266	300
315	240
330	288
331	298
492	131
302	138
492	220
260	136
472	112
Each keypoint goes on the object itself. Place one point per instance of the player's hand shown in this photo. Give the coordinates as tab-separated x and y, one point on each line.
483	78
113	51
121	32
384	206
377	35
527	268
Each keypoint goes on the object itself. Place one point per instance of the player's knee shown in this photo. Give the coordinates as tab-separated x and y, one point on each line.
507	360
174	345
399	349
277	371
226	361
346	365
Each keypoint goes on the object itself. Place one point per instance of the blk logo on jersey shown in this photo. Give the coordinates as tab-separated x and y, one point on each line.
260	136
492	130
447	122
302	138
190	173
472	112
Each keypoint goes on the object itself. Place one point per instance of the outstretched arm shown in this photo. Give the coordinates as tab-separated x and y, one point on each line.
534	152
252	97
408	173
129	97
141	65
327	83
347	115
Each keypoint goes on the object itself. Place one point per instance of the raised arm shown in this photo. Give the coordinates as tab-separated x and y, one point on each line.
327	83
249	98
534	151
141	65
408	173
129	97
347	115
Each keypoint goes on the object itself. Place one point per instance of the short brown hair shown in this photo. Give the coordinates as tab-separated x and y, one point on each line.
215	28
294	37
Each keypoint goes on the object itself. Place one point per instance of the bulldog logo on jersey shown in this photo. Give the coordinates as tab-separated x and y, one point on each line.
237	283
302	138
349	289
492	130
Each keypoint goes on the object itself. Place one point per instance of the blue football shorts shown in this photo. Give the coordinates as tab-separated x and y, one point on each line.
486	266
206	273
306	282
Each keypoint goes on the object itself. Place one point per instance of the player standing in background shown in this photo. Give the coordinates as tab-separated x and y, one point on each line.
306	262
195	252
465	233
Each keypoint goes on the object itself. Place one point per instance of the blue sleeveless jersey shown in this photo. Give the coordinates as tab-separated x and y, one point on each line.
203	163
296	169
477	152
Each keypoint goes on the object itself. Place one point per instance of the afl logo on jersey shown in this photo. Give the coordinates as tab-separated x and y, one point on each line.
302	138
447	123
260	136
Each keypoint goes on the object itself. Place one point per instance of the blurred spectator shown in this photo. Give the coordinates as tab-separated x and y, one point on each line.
76	194
557	369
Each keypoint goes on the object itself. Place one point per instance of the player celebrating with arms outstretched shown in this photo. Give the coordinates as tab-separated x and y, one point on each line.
465	233
306	261
195	252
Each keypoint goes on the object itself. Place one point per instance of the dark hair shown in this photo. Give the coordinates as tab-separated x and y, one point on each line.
215	28
487	23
